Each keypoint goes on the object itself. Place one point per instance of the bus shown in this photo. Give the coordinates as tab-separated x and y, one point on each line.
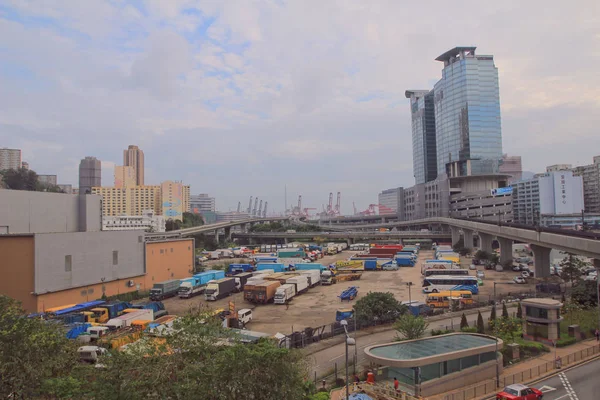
449	272
442	299
439	283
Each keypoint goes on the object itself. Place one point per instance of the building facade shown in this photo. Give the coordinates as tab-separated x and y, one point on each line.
200	203
558	167
552	193
148	222
391	202
124	177
10	159
134	157
467	113
48	179
90	174
512	166
572	221
423	135
172	200
67	188
591	185
491	205
429	199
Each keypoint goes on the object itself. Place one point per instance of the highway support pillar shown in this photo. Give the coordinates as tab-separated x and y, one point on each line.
485	241
468	238
383	220
455	235
597	265
244	228
505	250
541	261
228	233
285	240
217	236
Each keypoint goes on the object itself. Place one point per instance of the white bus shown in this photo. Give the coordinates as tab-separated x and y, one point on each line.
449	272
439	283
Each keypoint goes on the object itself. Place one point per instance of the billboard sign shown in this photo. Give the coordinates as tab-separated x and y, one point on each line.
502	191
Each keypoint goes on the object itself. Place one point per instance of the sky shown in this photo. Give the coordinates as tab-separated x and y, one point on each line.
245	98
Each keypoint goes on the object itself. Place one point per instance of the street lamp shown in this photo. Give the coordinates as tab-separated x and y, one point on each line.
409	284
349	342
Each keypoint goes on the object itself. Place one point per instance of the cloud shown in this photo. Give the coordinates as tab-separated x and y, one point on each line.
242	98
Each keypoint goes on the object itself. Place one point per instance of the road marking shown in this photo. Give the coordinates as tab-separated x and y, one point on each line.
546	389
565	381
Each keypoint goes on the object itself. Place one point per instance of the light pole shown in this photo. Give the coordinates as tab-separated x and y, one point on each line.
349	342
409	284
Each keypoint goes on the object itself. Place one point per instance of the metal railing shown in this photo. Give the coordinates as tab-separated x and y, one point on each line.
489	386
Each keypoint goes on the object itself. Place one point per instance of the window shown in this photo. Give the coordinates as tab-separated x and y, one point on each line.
115	257
90	291
536	312
470	361
68	263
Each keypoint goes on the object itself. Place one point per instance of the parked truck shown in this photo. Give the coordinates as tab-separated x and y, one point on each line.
284	293
105	312
301	283
265	292
235	269
240	280
276	267
309	266
216	290
164	290
291	253
127	318
157	307
314	276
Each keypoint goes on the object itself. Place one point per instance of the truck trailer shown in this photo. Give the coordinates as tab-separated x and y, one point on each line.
314	276
263	292
301	283
218	289
284	293
241	280
164	290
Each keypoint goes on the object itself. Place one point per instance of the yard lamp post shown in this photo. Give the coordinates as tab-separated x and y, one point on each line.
349	342
409	284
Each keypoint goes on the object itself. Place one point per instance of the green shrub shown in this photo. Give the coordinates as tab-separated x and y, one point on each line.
469	329
435	332
566	341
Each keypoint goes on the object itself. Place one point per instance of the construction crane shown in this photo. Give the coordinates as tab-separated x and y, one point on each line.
305	212
383	210
265	210
255	206
336	210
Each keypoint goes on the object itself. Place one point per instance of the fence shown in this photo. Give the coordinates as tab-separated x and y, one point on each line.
541	369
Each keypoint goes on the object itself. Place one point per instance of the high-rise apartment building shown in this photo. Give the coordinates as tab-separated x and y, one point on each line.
591	185
552	193
423	135
134	157
391	202
90	174
186	199
200	203
172	200
124	176
467	114
10	159
511	165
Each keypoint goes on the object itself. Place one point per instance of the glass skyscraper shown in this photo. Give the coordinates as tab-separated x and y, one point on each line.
467	114
423	135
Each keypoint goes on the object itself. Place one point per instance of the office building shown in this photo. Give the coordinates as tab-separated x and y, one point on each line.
134	157
391	202
552	193
25	165
48	179
79	262
591	185
558	167
148	222
512	166
10	159
426	200
467	114
90	174
423	135
124	176
200	203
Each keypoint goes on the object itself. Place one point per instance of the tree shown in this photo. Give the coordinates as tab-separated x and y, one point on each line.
463	322
172	225
482	255
410	327
519	311
572	268
31	352
584	294
377	306
480	325
20	179
190	220
506	329
504	311
493	313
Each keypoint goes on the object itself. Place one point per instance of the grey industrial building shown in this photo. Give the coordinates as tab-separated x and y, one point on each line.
90	174
392	201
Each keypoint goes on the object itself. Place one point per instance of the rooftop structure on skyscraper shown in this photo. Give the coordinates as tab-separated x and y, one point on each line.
134	157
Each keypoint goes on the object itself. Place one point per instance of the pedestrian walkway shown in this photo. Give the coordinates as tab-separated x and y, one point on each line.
526	371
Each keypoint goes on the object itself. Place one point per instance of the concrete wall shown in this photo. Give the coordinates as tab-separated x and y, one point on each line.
166	260
40	212
91	258
16	269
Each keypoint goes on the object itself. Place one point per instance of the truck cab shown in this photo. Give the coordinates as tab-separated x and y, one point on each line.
96	332
90	353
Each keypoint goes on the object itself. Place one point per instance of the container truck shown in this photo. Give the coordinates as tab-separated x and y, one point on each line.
235	269
291	253
265	292
281	277
327	278
284	293
309	266
127	318
219	289
314	276
157	307
301	283
241	279
106	312
405	262
164	290
190	287
276	267
354	265
254	280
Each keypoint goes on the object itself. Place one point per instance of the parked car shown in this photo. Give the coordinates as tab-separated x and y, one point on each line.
527	274
480	274
472	267
519	392
519	279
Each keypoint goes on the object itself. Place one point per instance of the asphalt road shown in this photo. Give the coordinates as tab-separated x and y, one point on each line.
324	360
579	383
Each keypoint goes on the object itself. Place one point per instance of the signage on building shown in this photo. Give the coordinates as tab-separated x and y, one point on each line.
502	191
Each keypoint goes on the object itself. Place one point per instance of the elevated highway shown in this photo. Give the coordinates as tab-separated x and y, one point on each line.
346	235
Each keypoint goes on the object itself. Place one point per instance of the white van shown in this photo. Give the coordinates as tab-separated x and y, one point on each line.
245	316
